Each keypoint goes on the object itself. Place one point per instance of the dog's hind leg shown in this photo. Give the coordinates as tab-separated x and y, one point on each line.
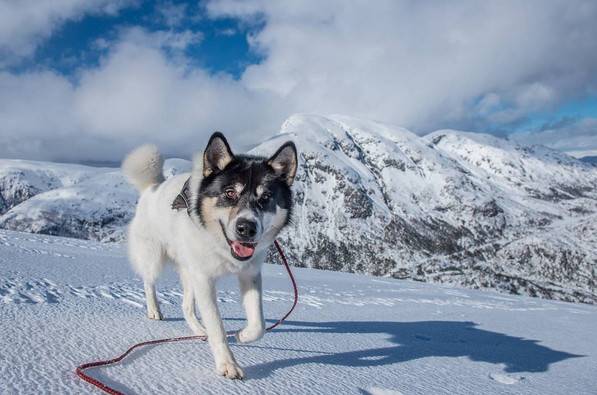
188	306
147	259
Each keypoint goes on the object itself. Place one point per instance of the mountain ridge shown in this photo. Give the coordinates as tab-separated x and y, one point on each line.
451	207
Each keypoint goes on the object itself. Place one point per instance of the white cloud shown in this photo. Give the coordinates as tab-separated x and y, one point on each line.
31	103
167	39
422	65
25	23
227	32
172	14
137	93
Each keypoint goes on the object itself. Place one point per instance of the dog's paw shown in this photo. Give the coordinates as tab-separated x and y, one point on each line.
230	370
250	334
155	315
199	331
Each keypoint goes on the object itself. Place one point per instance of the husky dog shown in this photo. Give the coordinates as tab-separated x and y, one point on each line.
220	219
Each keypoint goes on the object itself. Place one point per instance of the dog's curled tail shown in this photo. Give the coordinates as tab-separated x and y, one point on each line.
143	167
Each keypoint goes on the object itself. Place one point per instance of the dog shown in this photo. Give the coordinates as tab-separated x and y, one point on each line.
217	220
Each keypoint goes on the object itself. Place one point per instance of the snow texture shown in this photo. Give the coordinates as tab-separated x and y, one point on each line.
67	301
451	207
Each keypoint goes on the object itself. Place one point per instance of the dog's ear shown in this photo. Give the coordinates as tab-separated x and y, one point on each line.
217	154
285	162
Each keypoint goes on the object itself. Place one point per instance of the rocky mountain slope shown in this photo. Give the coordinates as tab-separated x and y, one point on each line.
453	207
69	200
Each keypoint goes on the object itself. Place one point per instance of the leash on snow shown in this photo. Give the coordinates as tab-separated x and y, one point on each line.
80	369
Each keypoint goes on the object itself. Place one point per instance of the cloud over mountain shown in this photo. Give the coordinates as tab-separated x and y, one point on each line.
469	65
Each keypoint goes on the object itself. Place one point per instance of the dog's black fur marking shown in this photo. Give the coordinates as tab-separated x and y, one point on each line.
252	172
284	161
217	149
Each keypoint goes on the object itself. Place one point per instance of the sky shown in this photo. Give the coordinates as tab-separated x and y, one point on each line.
87	80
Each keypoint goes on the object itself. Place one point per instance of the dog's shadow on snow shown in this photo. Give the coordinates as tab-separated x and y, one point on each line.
410	341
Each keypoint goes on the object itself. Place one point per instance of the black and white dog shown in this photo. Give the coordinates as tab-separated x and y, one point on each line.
220	219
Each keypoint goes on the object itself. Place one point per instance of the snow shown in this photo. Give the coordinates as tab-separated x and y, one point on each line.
67	301
22	179
453	207
70	200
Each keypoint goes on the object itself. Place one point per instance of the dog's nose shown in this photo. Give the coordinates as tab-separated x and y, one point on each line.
246	228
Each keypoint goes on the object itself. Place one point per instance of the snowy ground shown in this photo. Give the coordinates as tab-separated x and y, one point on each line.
66	301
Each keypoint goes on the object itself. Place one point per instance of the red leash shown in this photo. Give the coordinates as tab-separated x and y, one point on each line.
119	358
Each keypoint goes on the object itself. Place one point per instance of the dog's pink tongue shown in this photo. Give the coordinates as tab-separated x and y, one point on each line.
242	251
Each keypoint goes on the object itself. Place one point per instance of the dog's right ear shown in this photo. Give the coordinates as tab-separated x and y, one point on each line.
217	154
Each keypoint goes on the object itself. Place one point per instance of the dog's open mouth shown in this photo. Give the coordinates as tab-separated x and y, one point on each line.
240	250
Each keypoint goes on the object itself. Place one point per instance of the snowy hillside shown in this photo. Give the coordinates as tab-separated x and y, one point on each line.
78	301
70	200
21	180
453	207
450	207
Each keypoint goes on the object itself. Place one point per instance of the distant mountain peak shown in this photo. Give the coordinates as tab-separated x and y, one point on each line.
457	207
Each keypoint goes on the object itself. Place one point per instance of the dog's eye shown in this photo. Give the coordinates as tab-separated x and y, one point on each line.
230	194
264	198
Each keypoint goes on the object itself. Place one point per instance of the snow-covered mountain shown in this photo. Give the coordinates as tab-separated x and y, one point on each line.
589	159
69	200
455	207
21	180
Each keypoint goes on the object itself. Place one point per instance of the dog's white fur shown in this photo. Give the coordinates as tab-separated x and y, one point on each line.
158	234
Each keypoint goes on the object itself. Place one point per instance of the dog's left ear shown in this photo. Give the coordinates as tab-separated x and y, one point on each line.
217	154
285	162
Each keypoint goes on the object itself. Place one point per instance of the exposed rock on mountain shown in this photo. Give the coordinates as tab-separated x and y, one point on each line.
454	207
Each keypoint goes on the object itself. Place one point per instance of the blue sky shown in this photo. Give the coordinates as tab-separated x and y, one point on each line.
224	47
566	111
110	74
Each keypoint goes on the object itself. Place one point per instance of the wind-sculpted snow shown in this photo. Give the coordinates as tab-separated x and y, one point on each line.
65	301
452	207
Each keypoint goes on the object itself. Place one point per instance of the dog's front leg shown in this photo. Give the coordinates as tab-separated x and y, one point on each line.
251	290
226	365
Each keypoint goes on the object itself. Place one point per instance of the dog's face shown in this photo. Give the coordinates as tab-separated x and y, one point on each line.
244	201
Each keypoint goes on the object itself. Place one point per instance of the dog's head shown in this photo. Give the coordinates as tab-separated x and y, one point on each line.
244	201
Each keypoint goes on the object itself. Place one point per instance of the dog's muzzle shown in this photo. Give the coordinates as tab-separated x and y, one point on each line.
241	250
